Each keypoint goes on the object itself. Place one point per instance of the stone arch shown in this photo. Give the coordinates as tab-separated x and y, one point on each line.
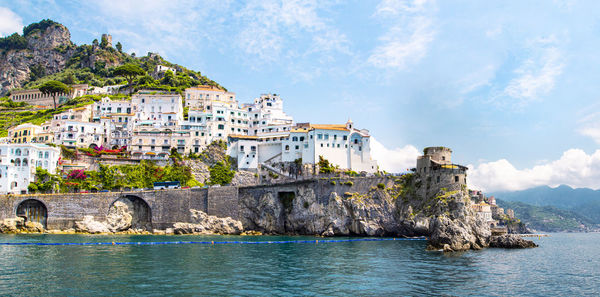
93	146
33	210
138	208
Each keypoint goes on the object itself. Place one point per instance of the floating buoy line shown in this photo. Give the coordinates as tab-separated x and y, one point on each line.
316	241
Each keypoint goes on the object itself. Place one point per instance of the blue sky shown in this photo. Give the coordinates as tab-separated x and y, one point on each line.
510	86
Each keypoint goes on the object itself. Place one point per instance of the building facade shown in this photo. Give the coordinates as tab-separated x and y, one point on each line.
18	164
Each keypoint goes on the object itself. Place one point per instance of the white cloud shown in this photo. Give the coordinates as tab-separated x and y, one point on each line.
394	160
537	75
10	22
590	123
287	31
575	168
409	36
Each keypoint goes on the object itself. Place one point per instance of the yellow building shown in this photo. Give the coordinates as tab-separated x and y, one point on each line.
24	133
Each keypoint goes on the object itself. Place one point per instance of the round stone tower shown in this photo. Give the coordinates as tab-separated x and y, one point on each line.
439	154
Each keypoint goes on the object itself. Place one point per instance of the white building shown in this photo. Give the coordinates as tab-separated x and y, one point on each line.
341	145
157	108
18	163
78	134
266	116
116	118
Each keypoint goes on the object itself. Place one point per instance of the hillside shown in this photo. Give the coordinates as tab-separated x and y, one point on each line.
584	202
45	52
549	218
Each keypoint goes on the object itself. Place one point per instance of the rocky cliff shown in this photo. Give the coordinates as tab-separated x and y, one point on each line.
386	209
47	51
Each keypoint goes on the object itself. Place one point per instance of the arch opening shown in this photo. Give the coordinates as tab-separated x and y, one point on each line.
137	208
33	211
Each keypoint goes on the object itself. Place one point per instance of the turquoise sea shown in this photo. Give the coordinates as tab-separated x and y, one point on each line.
563	265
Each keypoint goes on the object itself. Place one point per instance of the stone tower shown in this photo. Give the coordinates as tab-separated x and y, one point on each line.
108	39
437	171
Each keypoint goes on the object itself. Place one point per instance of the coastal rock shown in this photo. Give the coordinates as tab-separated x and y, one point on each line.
119	217
33	227
205	224
352	214
11	225
89	225
511	241
457	228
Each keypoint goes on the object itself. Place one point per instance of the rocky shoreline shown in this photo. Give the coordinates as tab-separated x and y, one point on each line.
397	209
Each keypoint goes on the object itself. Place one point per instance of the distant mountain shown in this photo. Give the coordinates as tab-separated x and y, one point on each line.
549	218
582	203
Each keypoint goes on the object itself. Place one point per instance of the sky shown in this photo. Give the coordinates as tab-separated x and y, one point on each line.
511	86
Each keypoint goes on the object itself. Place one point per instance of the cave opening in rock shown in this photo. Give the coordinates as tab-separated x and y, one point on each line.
287	199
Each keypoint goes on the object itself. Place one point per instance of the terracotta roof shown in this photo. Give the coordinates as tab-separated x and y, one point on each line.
329	127
236	136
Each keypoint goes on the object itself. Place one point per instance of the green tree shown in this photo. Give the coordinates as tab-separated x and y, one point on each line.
95	42
54	88
119	47
325	166
104	42
169	79
44	181
14	41
129	72
221	174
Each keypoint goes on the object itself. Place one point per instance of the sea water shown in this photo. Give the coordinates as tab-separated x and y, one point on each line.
564	264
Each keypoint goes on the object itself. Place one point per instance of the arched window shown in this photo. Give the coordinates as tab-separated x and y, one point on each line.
45	164
25	163
287	147
46	154
18	152
17	162
294	138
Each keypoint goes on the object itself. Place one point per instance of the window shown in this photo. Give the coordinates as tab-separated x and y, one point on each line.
221	127
456	178
297	147
326	136
241	148
321	145
355	141
294	138
334	137
319	136
345	137
46	155
301	138
287	147
438	179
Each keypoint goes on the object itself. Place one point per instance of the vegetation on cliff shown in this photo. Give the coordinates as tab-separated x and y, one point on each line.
19	114
111	177
93	64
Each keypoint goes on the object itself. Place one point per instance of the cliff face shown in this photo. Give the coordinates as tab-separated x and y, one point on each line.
385	209
48	50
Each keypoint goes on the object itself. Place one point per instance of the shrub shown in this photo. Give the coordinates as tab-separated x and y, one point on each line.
333	182
348	183
381	186
221	174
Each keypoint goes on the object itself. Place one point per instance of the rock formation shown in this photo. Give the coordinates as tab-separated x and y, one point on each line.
205	224
511	241
396	210
42	51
